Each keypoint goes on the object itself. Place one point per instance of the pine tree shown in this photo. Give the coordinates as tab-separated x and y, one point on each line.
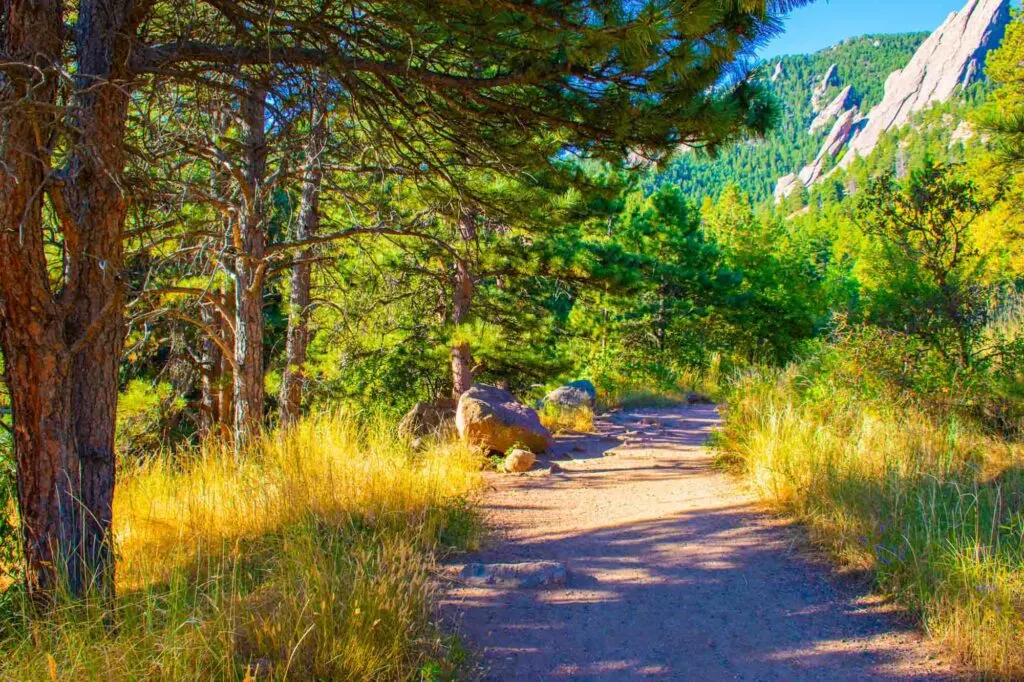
506	87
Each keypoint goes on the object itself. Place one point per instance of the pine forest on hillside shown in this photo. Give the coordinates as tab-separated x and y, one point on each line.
284	284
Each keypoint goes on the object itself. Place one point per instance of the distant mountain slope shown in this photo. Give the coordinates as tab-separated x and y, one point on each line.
863	63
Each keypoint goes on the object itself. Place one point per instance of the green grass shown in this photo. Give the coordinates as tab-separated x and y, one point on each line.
625	391
639	399
933	507
311	556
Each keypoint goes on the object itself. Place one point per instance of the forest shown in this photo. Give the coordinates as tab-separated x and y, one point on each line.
239	240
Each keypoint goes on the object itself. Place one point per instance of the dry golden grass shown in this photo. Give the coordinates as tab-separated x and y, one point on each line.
567	420
934	509
307	557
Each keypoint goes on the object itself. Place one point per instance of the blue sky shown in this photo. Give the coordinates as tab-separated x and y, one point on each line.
826	22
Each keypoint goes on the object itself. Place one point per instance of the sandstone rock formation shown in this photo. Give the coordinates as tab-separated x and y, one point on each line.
842	102
963	132
492	417
844	128
785	186
830	78
948	60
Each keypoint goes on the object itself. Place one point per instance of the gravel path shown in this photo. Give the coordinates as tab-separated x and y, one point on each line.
674	574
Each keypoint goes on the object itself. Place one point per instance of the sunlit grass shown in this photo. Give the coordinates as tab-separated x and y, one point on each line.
628	392
639	399
308	557
934	508
567	419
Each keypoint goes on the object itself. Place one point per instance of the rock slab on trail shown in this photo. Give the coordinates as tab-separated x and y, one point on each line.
525	575
677	574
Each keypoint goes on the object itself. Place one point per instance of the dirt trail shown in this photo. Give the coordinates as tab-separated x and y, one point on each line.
674	574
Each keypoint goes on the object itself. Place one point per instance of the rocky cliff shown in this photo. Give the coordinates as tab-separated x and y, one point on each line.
844	100
829	79
951	58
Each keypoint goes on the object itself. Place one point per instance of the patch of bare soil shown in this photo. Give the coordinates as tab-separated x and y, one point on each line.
674	573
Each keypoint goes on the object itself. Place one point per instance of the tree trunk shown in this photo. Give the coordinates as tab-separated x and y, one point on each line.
94	275
294	379
210	370
35	348
39	370
250	245
462	299
462	369
462	354
226	387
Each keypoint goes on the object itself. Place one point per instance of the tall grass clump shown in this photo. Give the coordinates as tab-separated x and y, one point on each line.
637	385
308	556
561	419
927	499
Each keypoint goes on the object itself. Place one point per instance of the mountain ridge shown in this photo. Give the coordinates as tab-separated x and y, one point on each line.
863	62
945	64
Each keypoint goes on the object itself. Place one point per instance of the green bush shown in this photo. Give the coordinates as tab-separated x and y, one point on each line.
149	417
890	367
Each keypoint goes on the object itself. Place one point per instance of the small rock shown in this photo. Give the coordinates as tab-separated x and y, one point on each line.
519	461
578	448
554	468
525	575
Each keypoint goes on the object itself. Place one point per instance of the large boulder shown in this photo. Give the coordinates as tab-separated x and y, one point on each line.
493	418
427	419
573	395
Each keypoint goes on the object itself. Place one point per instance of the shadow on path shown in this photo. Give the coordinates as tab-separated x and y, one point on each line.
674	575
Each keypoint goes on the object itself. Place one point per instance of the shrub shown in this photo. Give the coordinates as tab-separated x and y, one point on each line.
928	502
148	417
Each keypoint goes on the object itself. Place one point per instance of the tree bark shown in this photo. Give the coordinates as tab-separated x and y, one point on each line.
308	225
249	274
226	392
95	291
462	299
35	348
210	369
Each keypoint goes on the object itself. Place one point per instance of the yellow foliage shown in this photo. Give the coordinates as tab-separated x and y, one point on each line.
564	419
